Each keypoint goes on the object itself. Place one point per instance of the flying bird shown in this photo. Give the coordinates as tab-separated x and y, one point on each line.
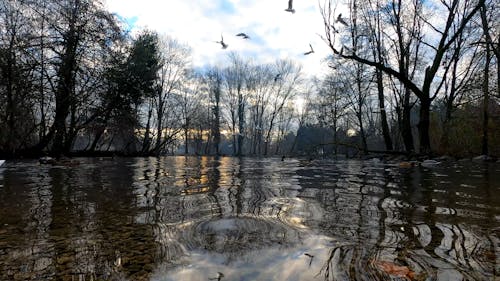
243	35
310	52
278	76
224	45
341	20
290	7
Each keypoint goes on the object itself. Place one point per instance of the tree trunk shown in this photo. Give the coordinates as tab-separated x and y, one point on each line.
233	129
43	123
406	132
97	138
147	138
65	84
423	126
486	81
241	123
159	127
186	142
267	139
383	114
445	137
72	130
359	113
186	137
486	101
216	127
378	53
11	106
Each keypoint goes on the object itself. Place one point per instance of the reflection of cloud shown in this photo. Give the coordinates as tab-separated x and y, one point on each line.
270	263
125	219
233	236
229	237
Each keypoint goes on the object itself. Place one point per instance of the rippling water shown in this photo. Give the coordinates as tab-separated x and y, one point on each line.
188	218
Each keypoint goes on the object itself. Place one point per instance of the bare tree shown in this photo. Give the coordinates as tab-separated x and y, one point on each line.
490	21
283	90
173	73
286	117
214	79
189	102
333	104
461	65
374	36
427	88
234	100
16	75
259	86
486	80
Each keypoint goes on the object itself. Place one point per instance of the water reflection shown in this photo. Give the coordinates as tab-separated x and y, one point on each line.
203	218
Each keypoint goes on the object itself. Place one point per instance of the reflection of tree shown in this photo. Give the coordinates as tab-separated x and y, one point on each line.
237	180
31	249
94	204
451	238
236	214
391	222
354	217
77	225
124	218
339	264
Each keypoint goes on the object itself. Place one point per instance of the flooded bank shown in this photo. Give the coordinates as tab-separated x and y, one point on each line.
190	218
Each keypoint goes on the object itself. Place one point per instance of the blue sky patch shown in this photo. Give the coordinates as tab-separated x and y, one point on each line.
226	7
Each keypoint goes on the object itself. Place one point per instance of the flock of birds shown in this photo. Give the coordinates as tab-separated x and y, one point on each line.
289	9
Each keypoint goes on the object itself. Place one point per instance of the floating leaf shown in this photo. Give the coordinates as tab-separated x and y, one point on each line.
394	269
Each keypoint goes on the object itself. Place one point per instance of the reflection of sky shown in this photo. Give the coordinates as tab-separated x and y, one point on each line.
255	219
275	263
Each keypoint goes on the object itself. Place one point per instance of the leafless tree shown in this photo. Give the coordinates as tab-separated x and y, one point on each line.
235	99
283	90
214	80
173	74
190	102
437	40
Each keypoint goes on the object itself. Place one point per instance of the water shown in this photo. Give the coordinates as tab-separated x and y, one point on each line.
178	218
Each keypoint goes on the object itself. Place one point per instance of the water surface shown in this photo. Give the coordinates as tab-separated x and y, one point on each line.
190	218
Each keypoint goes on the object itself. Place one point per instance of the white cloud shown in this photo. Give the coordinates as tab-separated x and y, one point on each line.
275	33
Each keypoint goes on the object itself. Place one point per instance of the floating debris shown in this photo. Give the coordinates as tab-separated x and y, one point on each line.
394	269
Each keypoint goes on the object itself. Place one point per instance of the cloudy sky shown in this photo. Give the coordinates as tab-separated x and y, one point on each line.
199	23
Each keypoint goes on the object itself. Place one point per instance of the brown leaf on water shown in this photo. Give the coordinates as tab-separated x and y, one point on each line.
489	255
394	269
406	164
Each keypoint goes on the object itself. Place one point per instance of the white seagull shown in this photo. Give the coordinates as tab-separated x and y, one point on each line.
243	35
224	45
310	52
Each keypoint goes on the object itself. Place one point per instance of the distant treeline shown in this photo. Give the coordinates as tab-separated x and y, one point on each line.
73	81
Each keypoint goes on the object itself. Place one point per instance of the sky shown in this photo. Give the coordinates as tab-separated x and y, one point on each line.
275	34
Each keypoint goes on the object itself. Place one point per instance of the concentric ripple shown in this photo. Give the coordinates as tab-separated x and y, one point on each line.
208	218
